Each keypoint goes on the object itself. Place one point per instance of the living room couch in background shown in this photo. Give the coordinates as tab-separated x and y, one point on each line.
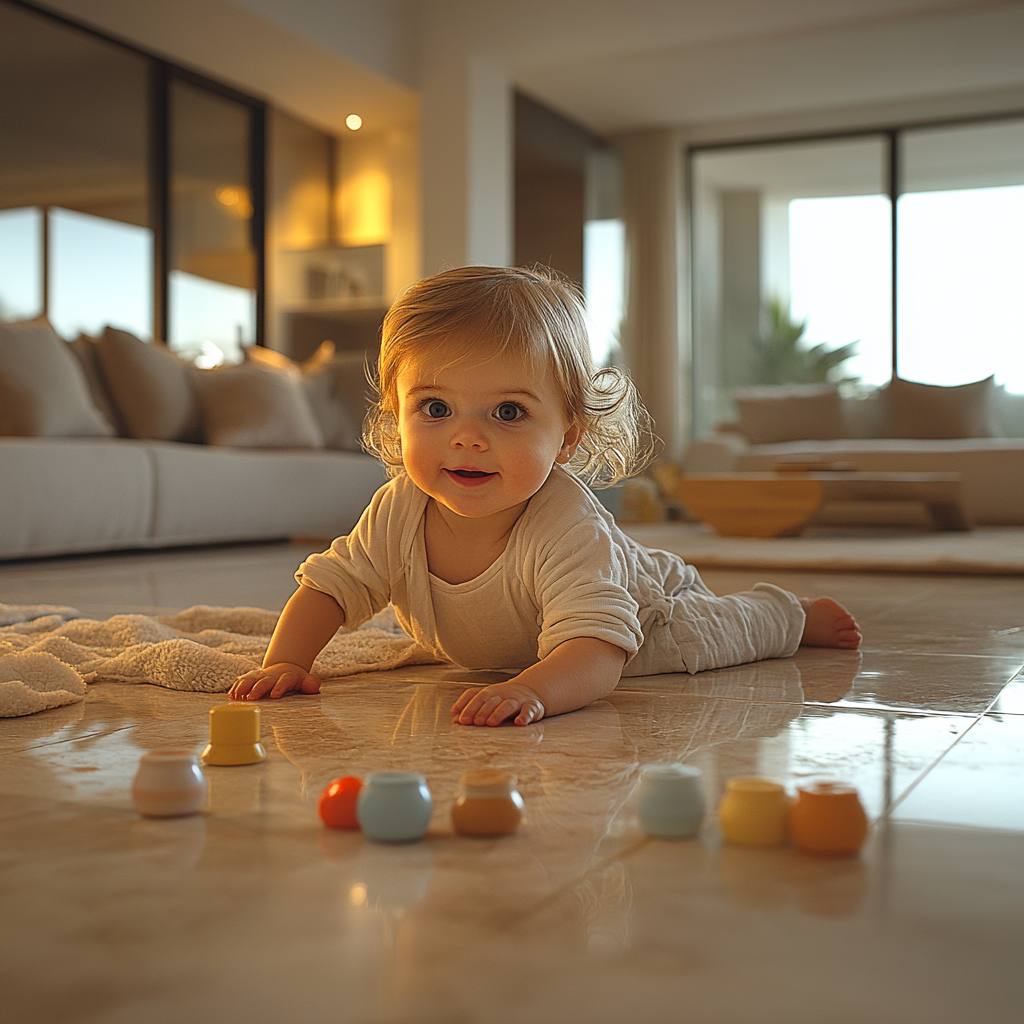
974	430
113	443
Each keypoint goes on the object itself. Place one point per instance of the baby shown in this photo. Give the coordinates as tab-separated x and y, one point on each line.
495	554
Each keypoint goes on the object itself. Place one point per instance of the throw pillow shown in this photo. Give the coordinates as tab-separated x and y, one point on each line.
928	411
790	412
336	385
43	389
340	396
151	387
84	349
250	406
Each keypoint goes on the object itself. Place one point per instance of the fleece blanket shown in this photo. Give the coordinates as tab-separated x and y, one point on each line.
48	654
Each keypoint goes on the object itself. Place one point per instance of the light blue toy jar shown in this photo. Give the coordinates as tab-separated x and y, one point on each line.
394	807
668	801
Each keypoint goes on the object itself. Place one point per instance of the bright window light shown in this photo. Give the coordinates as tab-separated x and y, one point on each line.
604	247
101	272
21	271
961	281
207	315
839	278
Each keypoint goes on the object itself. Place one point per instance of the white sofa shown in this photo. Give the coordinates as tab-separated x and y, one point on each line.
992	467
68	495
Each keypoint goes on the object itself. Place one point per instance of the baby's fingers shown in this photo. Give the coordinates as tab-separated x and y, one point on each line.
532	711
272	686
244	684
476	709
463	700
288	681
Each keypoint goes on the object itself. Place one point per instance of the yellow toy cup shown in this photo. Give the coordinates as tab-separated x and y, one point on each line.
234	735
753	812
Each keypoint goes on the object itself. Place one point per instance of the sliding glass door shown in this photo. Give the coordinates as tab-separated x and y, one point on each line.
793	252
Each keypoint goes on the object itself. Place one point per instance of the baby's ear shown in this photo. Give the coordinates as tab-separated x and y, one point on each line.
570	443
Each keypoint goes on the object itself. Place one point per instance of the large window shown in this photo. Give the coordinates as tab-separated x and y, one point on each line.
131	192
800	233
76	239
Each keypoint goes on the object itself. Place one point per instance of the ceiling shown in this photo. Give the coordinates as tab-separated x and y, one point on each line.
611	65
614	66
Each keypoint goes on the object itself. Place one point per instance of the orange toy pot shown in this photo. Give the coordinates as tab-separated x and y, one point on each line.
488	804
827	820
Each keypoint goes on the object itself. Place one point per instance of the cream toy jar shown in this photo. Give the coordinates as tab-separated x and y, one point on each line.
169	784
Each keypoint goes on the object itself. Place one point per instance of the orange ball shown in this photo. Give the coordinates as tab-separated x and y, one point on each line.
337	804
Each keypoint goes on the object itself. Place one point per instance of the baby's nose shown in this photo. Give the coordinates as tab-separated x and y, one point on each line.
469	436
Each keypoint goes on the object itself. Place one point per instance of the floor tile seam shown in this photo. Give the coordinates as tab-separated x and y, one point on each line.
960	826
855	708
1018	658
888	811
890	710
1017	675
48	742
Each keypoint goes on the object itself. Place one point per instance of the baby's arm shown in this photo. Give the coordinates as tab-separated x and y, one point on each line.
575	673
309	620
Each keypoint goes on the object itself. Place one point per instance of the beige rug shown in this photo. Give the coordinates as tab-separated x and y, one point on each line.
997	550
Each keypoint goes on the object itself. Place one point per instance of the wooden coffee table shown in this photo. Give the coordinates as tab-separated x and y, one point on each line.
782	504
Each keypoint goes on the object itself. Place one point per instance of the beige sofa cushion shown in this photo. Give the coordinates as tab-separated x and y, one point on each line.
253	406
151	387
43	389
799	412
84	349
927	411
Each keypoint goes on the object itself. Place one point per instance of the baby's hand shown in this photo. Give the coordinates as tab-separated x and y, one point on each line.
491	705
273	681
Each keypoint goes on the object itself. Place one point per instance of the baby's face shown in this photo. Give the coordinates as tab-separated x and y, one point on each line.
481	439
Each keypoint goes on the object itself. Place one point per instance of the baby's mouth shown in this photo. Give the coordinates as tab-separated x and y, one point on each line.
470	476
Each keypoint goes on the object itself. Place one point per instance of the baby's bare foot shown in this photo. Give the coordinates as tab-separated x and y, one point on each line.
828	624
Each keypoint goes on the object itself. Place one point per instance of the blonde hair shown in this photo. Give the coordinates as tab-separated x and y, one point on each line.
536	315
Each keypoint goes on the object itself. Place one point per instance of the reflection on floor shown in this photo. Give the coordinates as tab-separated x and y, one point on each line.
253	912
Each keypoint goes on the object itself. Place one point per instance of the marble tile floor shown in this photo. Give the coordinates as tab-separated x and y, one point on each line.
253	912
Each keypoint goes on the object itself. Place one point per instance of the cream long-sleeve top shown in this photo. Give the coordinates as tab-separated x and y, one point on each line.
567	571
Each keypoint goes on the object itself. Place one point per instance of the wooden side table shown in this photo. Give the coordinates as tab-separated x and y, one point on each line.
782	504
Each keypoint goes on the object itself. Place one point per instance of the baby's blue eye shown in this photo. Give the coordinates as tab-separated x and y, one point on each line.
436	410
509	412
